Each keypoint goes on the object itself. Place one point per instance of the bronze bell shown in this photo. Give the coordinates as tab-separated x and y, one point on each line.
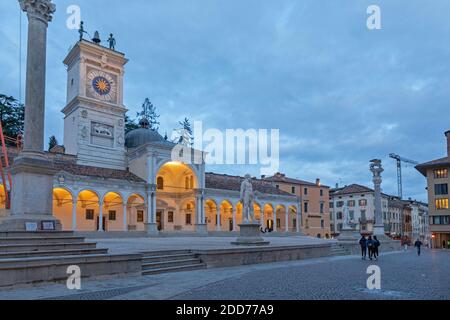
96	38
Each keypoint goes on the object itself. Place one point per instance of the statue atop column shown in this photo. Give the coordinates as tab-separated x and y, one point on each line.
247	198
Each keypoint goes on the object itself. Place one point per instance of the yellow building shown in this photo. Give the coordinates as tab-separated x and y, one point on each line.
438	180
314	203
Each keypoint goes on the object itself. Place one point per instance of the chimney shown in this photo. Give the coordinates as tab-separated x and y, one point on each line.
447	134
318	181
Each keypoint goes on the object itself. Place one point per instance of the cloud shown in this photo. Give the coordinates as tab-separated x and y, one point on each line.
339	93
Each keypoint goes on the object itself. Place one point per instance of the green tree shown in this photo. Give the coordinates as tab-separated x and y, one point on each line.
12	116
149	112
53	142
130	124
186	133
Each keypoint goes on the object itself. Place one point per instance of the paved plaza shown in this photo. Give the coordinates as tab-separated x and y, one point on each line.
403	276
136	245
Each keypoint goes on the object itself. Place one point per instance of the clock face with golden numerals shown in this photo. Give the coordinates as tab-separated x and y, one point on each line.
101	85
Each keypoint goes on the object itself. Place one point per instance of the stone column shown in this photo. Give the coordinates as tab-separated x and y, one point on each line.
234	209
32	173
376	170
219	224
74	215
287	219
150	227
100	216
125	209
275	220
298	217
39	14
261	218
201	226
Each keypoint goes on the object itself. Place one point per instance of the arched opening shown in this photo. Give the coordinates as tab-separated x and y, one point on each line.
226	216
160	183
319	236
62	207
135	213
268	216
175	197
257	211
281	218
113	212
88	211
210	214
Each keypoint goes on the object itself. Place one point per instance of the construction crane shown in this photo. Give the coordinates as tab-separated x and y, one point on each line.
399	160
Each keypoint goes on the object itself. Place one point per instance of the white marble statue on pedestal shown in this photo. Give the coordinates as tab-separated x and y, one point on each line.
247	198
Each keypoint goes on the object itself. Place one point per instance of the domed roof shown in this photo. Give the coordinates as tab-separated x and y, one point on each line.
141	136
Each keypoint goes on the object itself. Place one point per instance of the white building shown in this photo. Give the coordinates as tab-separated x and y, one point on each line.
360	203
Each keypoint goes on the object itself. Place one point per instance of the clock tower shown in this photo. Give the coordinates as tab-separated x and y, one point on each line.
94	122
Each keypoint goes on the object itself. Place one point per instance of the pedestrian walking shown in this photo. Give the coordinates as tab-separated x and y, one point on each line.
376	245
417	245
370	245
363	244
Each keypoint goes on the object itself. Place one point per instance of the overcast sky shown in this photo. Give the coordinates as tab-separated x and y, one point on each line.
340	94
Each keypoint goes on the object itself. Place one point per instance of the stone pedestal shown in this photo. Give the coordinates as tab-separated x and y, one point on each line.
378	230
151	229
349	235
250	235
32	193
201	228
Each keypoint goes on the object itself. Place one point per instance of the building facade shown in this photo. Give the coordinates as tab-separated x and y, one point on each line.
314	203
437	174
111	181
359	202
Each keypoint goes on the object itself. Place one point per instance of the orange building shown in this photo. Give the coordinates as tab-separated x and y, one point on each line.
314	200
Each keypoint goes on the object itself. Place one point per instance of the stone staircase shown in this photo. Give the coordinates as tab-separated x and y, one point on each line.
33	257
339	250
157	262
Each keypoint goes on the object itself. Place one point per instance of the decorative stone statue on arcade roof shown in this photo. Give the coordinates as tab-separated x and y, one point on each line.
112	42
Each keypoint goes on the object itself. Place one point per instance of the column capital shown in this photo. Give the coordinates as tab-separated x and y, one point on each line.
39	9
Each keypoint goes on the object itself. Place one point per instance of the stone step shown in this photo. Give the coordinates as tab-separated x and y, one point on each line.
52	253
165	253
170	263
18	271
46	246
39	240
38	234
172	257
196	266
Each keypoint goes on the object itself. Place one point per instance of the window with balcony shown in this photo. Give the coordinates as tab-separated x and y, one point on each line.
441	204
441	189
441	173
